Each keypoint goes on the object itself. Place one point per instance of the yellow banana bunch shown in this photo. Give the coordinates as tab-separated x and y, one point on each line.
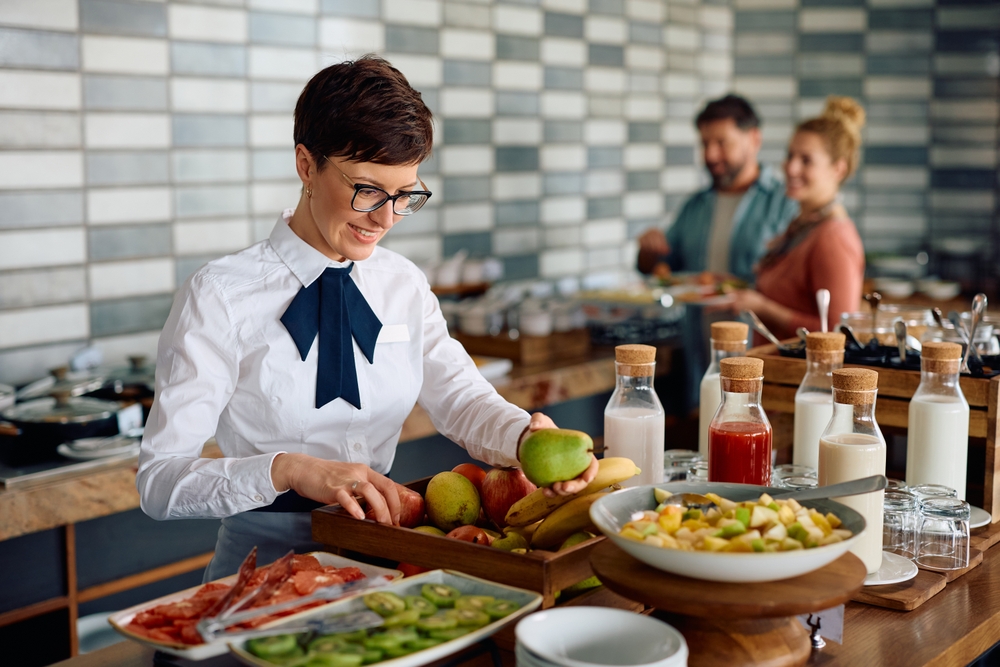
536	505
572	517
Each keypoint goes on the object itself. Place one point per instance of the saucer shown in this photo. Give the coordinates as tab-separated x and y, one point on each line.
978	517
895	569
131	447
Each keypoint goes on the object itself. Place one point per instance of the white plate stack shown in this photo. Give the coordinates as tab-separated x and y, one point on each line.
597	637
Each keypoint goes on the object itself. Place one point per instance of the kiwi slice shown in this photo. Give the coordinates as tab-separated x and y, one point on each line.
442	595
327	644
472	618
332	660
382	642
424	642
368	656
501	608
399	651
274	646
384	603
408	617
436	622
452	633
421	604
473	602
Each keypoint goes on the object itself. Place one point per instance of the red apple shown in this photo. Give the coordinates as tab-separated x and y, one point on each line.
473	473
409	570
502	487
471	534
411	508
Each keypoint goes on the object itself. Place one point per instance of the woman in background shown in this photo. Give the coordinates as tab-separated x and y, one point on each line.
821	247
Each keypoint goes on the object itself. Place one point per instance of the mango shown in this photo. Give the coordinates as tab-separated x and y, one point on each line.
452	501
555	455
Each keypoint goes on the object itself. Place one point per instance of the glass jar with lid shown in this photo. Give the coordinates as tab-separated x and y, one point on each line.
729	339
852	447
937	435
739	437
634	418
814	398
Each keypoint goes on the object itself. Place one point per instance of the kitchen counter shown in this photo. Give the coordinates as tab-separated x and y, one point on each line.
110	491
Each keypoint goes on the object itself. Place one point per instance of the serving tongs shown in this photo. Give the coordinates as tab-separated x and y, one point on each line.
766	333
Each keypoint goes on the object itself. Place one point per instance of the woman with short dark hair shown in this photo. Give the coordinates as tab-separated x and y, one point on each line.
304	353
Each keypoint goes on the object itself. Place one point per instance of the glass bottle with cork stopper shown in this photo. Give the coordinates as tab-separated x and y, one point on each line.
852	447
814	399
633	418
937	436
739	437
729	339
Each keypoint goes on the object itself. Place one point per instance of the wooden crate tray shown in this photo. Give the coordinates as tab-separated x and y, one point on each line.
543	571
909	595
529	349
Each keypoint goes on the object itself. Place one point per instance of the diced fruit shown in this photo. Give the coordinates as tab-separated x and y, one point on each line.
661	495
743	516
716	544
763	516
832	519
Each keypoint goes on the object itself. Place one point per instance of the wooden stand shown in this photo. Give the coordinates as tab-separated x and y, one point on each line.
733	624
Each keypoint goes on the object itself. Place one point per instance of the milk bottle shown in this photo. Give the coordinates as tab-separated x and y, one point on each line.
937	437
729	339
633	418
852	447
814	399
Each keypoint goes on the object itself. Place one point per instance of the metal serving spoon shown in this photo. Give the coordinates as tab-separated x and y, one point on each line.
823	302
899	326
802	333
766	333
874	299
978	308
849	333
852	488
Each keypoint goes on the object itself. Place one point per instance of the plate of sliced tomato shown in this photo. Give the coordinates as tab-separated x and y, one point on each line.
169	623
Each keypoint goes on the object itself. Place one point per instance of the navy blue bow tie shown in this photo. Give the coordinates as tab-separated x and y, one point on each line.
334	308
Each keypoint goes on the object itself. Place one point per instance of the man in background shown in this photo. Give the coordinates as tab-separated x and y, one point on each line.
725	228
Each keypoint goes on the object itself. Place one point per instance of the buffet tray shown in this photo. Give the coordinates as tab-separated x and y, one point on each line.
37	474
545	572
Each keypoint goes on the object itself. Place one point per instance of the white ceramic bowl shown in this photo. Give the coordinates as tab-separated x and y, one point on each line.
894	288
942	291
612	512
589	636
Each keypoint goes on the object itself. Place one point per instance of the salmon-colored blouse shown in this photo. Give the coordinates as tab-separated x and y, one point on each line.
833	257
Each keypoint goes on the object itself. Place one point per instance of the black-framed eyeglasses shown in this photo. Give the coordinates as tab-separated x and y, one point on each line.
368	198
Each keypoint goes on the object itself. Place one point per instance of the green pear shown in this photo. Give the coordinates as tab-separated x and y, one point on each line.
430	530
452	501
575	539
555	455
510	542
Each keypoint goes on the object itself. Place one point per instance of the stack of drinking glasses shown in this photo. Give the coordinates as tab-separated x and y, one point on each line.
679	465
927	524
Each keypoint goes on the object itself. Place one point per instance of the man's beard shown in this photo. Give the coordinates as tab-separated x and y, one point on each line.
726	179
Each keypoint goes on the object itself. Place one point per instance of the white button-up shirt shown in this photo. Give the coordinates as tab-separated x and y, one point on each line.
227	366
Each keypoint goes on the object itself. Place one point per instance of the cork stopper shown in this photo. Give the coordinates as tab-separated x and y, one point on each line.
938	357
729	336
854	386
941	351
741	375
825	342
635	360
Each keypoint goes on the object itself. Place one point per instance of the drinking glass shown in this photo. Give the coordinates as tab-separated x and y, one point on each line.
790	470
896	485
943	541
924	491
797	482
698	471
677	464
899	524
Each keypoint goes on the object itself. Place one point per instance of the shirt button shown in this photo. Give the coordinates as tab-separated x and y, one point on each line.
357	446
259	498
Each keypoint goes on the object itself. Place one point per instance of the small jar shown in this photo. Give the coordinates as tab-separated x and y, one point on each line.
943	541
791	470
677	464
899	524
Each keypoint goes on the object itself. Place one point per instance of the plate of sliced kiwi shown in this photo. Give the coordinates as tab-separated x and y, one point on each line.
419	619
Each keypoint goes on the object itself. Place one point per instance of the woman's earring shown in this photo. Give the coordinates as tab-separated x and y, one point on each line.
309	192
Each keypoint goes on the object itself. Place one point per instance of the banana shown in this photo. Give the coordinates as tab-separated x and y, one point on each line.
572	517
536	505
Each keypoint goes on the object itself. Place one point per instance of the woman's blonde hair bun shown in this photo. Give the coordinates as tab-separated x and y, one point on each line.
846	110
840	127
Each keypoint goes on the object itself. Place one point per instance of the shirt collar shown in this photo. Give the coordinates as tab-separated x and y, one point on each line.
302	259
767	180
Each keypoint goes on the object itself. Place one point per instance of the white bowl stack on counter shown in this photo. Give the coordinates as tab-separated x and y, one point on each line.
595	637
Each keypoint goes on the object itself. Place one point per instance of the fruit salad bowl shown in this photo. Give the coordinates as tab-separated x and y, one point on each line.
612	512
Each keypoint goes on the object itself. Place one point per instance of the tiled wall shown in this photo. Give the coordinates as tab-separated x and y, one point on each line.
926	71
140	139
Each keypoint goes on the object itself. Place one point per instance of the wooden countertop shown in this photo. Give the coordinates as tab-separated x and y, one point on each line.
950	630
111	491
